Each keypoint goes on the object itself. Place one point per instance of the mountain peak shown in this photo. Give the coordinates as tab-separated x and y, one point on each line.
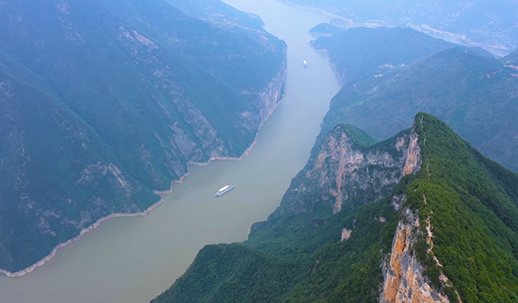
444	231
356	135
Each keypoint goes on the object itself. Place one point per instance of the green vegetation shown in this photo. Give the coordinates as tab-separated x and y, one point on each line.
103	102
511	59
325	29
475	95
235	273
360	53
360	138
298	256
294	260
473	206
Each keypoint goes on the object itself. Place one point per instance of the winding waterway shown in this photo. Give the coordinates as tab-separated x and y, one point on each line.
134	259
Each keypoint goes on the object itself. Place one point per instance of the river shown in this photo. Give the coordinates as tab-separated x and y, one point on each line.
134	259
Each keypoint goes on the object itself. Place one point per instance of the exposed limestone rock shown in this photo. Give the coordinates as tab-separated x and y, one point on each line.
272	94
95	141
404	280
413	160
346	234
398	200
429	240
348	175
381	219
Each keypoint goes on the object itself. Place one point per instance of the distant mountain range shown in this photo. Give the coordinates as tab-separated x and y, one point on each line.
419	217
491	25
103	102
361	53
390	74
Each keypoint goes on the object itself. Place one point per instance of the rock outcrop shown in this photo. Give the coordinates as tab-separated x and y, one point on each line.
105	103
404	281
347	174
445	232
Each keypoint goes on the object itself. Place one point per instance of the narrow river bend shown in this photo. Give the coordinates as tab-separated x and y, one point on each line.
134	259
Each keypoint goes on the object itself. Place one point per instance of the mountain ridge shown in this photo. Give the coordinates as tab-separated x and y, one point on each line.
106	104
473	93
403	245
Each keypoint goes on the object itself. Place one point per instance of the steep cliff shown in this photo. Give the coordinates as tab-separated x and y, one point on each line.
474	94
422	217
404	279
105	102
347	174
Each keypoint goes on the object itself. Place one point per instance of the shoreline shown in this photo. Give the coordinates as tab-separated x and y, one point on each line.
78	237
244	154
97	223
215	158
324	52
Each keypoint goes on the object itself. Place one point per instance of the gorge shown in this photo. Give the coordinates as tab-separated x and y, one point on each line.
149	252
421	215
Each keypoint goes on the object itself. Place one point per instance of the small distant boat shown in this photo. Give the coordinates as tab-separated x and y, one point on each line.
305	63
225	189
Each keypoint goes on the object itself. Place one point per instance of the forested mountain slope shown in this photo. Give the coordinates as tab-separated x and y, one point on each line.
420	216
103	102
476	95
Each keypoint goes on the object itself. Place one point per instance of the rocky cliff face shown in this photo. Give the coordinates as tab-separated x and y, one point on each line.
446	232
272	94
343	174
459	86
404	280
104	103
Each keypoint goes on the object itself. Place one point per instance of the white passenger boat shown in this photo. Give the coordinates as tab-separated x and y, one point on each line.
225	189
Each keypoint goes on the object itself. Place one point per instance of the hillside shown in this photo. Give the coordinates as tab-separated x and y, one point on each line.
490	25
511	59
360	53
421	215
104	102
476	96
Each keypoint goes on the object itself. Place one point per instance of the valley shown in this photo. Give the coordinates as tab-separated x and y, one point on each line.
133	259
377	178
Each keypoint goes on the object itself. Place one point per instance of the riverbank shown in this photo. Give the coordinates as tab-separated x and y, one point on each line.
77	238
133	260
276	103
248	150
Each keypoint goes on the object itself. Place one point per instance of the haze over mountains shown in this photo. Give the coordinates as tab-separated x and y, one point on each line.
489	24
361	53
105	101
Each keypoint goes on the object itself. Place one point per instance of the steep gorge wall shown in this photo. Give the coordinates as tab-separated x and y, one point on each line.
347	175
404	280
344	175
271	96
90	131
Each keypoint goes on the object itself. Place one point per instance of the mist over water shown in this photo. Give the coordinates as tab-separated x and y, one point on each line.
134	259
